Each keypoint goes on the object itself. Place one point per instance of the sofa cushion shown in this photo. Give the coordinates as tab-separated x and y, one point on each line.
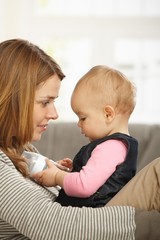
63	139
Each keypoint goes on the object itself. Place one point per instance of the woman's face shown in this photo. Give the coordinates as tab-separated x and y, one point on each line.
44	108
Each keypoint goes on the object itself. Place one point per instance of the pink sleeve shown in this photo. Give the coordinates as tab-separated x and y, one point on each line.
99	168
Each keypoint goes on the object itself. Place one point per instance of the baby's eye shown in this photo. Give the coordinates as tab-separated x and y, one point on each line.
82	118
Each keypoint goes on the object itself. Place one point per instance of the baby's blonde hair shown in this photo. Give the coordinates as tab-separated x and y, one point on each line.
109	87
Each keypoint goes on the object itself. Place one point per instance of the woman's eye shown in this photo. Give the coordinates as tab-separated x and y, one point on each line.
45	103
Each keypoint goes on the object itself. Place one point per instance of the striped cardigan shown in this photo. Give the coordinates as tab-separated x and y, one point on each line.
29	211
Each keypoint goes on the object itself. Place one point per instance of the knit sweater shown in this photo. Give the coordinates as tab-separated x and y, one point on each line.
29	211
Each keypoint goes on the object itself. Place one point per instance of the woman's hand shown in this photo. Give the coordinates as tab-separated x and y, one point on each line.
51	176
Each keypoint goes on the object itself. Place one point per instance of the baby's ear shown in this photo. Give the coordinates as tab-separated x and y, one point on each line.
109	113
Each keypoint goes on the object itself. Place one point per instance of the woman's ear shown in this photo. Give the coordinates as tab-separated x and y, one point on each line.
109	113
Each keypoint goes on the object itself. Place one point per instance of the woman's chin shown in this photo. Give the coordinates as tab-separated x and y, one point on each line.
36	137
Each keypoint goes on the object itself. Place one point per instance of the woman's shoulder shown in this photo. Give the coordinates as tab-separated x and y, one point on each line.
7	168
5	159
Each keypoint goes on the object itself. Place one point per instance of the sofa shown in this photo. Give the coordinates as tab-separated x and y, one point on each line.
63	139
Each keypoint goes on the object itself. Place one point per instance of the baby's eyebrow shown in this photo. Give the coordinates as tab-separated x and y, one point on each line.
80	112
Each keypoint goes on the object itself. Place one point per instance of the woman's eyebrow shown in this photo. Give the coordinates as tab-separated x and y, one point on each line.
49	97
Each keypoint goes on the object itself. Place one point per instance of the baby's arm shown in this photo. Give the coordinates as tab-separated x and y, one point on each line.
100	166
98	169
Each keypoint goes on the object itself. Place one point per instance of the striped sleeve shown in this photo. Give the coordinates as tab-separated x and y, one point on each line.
31	210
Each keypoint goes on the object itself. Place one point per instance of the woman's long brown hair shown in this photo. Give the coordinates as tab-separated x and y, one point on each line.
23	66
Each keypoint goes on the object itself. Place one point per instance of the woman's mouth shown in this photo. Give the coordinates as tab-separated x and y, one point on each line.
43	127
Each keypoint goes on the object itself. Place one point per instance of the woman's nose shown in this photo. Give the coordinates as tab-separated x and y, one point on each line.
52	113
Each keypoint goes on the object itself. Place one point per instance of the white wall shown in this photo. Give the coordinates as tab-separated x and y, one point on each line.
124	34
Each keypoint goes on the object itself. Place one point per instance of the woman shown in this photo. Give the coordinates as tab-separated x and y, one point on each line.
29	84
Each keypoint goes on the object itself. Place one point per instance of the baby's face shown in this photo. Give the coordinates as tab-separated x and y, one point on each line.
91	115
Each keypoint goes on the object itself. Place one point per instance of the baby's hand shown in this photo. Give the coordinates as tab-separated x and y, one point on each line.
47	177
66	162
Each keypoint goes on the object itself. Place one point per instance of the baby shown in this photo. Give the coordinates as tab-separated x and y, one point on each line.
103	99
